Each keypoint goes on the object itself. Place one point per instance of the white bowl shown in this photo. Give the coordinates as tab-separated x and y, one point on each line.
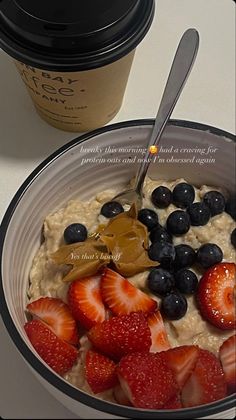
62	177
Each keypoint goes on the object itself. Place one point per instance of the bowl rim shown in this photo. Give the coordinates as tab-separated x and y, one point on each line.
44	371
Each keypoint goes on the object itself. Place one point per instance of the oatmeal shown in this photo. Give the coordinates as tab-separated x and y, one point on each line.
208	239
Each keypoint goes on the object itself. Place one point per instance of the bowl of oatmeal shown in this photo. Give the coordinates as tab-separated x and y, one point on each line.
125	312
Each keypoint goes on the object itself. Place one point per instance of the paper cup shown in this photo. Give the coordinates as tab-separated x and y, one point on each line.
78	101
74	57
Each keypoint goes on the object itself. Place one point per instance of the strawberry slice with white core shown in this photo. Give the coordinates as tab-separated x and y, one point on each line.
85	301
146	380
57	315
207	382
182	360
159	337
215	295
228	359
122	297
58	354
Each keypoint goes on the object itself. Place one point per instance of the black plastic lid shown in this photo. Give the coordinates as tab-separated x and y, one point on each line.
72	35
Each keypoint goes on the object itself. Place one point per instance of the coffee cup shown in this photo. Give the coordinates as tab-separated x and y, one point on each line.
75	56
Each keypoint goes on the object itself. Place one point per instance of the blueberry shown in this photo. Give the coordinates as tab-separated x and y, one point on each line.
184	256
76	232
174	306
209	254
160	281
111	209
183	195
178	222
199	214
159	233
215	201
230	207
186	281
163	252
148	217
233	238
161	197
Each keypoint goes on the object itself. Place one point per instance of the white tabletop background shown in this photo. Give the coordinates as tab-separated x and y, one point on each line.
25	140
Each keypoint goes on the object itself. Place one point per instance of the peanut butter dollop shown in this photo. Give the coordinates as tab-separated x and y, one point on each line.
123	243
85	258
126	239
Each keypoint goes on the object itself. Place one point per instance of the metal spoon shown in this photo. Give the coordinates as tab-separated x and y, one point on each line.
182	64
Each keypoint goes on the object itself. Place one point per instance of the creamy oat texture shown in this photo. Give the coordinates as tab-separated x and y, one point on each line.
46	277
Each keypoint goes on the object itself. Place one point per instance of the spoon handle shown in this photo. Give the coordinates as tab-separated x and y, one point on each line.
180	70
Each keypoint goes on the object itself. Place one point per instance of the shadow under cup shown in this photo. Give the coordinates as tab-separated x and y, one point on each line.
105	158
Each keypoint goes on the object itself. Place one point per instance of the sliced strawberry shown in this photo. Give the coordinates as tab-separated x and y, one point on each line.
146	380
216	295
159	337
85	301
182	360
100	372
120	396
173	403
122	297
57	315
121	335
58	354
207	382
228	359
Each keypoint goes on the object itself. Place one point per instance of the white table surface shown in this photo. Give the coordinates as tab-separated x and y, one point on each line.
209	97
